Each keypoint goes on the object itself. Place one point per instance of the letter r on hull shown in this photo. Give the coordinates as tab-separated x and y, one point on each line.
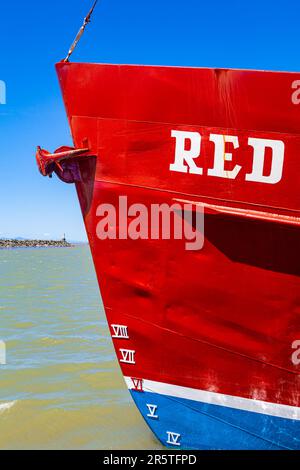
184	159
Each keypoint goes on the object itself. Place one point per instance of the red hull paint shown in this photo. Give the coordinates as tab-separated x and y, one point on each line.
222	319
231	309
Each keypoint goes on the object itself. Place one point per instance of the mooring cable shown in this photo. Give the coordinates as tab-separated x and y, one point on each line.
86	21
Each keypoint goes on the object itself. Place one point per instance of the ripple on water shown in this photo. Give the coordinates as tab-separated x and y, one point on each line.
61	387
6	406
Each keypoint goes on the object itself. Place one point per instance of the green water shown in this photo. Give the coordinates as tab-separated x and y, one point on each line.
61	387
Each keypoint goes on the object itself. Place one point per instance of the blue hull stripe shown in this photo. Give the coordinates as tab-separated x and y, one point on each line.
188	424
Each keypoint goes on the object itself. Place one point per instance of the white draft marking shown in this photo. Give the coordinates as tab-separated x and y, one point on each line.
127	356
152	410
120	331
173	438
137	384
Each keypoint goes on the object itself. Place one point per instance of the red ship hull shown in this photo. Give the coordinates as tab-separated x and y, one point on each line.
206	339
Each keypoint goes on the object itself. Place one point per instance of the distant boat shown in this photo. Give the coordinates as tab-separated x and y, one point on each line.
207	340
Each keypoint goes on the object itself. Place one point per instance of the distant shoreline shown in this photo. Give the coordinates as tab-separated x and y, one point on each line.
15	243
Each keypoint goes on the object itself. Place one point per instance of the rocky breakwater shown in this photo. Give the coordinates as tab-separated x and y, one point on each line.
16	243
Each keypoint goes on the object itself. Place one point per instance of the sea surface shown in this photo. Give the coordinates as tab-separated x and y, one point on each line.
61	387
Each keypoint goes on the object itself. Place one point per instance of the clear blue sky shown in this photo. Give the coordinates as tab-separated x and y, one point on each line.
35	34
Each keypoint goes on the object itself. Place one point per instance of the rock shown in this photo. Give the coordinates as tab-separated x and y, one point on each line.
13	243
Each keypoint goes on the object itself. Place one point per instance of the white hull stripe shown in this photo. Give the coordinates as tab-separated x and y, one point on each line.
213	398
